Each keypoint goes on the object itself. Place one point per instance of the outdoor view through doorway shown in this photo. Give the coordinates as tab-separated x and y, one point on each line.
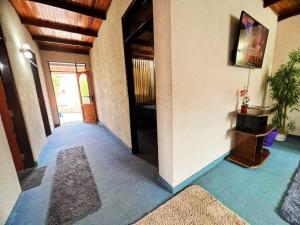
66	90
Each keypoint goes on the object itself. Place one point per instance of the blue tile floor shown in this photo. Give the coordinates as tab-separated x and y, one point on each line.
255	194
128	186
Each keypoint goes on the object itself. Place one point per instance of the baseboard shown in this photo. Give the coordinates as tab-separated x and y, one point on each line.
116	137
164	184
189	180
294	136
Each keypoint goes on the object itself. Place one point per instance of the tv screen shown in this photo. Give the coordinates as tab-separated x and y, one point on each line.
251	42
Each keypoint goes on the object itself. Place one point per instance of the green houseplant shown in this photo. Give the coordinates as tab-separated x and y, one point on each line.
285	92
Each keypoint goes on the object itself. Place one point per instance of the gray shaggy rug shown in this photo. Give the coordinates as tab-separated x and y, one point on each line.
290	209
74	191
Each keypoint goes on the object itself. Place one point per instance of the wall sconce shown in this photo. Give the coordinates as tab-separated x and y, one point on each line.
1	66
26	51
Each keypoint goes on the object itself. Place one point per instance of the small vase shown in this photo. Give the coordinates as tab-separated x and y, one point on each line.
244	108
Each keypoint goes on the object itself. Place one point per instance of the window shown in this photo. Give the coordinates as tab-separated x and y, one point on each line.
84	89
67	67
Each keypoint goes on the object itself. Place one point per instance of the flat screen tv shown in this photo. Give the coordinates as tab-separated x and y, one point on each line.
250	43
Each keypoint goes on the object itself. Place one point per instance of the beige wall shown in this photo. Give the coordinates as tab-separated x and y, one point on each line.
204	86
163	72
15	35
47	56
196	86
9	184
288	39
108	66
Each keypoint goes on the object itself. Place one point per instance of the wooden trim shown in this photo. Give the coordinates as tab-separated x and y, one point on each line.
131	96
289	14
62	49
9	130
268	3
53	91
100	14
40	95
135	21
15	106
62	40
59	26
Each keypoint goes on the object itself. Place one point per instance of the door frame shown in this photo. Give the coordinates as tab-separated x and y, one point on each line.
135	20
9	130
75	72
40	94
14	105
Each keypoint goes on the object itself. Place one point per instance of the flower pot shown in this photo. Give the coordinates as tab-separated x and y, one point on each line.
244	108
280	137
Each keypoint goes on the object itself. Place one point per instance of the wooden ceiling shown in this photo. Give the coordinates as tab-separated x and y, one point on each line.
284	8
142	46
63	25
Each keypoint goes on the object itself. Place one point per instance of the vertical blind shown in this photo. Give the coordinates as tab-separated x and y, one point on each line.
144	81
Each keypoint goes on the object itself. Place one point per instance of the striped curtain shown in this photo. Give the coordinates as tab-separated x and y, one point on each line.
144	81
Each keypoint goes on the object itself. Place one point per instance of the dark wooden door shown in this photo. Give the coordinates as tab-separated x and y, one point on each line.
14	105
9	130
87	96
40	95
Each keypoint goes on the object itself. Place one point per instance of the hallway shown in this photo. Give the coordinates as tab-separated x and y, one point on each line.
127	185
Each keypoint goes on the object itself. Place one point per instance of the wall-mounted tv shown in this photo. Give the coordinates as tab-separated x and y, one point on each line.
250	43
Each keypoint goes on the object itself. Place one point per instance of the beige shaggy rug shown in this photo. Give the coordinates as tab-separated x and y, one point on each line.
194	205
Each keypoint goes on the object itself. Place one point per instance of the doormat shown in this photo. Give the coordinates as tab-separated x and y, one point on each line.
194	205
31	178
74	191
290	209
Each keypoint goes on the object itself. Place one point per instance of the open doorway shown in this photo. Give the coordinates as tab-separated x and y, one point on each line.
140	70
64	81
67	97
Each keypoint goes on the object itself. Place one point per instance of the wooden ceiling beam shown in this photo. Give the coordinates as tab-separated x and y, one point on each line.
100	14
58	48
62	41
268	3
141	56
59	26
143	43
294	12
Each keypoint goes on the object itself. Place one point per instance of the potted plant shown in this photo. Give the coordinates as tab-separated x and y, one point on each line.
245	100
285	92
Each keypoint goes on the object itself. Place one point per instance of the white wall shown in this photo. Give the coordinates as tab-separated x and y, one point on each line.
9	183
108	66
47	56
196	86
163	74
15	35
288	39
204	85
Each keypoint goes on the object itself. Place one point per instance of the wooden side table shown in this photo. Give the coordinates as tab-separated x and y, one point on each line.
248	150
